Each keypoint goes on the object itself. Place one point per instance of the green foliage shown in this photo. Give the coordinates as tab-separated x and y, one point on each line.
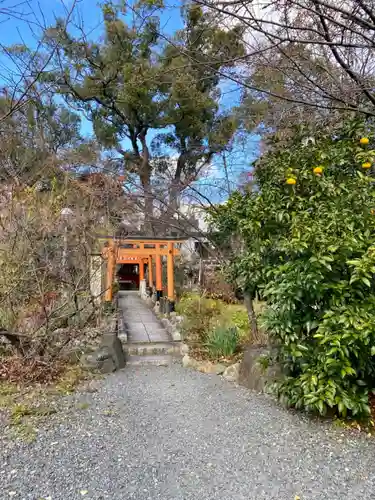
132	81
240	319
33	133
202	315
222	341
199	314
308	249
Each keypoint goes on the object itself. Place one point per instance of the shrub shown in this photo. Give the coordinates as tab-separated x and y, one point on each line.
198	313
222	342
240	319
235	315
309	249
202	315
217	287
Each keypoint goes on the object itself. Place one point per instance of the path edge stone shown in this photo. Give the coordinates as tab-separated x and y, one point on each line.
109	356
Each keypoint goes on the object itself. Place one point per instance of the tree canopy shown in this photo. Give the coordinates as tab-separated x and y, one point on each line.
309	60
135	82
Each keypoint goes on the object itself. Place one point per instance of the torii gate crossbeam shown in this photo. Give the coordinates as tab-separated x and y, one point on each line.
142	251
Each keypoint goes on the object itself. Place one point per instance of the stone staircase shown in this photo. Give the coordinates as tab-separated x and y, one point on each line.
153	348
144	338
154	353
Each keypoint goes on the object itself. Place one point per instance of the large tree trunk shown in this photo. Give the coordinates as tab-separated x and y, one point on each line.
256	338
174	193
145	176
175	190
148	210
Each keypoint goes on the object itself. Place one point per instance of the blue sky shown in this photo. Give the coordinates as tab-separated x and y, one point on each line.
87	13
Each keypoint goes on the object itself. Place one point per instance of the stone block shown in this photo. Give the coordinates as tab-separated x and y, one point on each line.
114	346
202	366
108	358
123	336
149	302
164	322
184	349
214	368
176	335
95	360
188	362
108	366
121	330
111	326
163	305
232	372
252	374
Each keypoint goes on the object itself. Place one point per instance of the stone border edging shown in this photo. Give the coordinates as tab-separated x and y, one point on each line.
228	372
172	326
121	330
109	356
170	323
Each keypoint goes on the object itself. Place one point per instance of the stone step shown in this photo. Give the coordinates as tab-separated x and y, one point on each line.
165	360
152	348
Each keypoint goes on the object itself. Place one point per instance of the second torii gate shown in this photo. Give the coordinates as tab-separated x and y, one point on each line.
142	251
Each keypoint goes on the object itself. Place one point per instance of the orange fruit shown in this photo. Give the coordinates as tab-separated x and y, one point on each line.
291	181
364	141
318	170
366	165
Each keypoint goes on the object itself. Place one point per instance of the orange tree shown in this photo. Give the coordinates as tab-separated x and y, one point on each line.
308	246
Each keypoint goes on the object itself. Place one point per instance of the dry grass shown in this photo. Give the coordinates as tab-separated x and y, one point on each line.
14	369
25	406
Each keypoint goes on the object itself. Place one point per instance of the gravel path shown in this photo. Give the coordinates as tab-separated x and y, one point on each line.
173	434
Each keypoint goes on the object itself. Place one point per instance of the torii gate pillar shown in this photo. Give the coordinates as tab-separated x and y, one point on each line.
170	277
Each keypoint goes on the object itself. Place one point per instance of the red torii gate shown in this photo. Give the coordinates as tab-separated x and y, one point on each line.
141	251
